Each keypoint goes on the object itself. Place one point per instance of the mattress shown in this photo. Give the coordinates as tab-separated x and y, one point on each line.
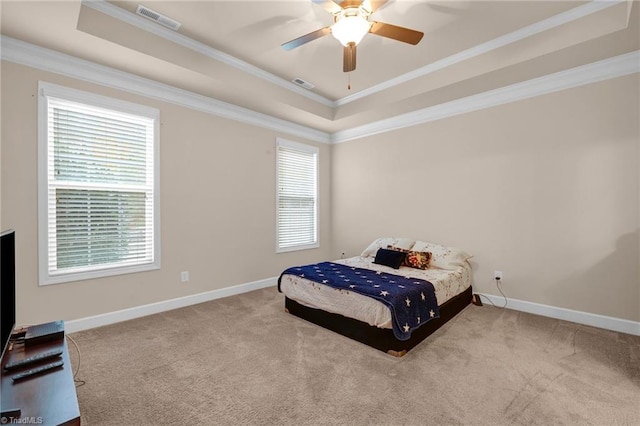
447	284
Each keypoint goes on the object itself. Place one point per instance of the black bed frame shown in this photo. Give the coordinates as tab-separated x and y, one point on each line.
379	338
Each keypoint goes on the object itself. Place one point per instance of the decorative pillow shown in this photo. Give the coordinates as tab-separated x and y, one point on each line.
418	259
404	250
373	248
443	257
414	259
390	258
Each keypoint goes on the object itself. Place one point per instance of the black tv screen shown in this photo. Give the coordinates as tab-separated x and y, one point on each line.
7	287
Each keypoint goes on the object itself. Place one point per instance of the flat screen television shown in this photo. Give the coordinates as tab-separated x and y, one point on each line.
7	287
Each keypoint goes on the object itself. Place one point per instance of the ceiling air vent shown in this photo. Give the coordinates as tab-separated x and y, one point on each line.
301	82
158	18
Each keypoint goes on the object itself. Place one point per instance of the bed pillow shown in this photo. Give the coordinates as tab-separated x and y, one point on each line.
404	250
443	257
414	259
418	259
390	258
373	248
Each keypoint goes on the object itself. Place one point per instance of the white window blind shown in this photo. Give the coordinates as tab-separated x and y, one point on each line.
297	196
100	213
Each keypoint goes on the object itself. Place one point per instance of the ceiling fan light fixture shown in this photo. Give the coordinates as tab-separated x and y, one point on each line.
351	24
350	29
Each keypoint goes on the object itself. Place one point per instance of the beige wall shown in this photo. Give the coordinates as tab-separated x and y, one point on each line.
545	189
217	180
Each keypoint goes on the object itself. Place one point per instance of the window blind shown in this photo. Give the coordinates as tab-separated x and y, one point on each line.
100	188
297	196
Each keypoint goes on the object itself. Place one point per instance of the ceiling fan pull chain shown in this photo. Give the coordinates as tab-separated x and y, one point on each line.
348	81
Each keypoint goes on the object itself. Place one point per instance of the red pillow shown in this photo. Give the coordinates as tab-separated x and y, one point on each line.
418	259
414	259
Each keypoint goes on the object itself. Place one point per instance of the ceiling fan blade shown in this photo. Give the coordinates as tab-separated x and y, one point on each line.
329	6
397	33
345	4
306	38
373	5
349	58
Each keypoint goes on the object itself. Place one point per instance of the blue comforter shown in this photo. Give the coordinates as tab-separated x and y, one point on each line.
412	301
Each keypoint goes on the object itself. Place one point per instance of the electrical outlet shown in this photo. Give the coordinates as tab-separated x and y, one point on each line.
184	276
497	275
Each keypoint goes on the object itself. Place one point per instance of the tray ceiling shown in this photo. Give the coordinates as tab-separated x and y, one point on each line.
230	50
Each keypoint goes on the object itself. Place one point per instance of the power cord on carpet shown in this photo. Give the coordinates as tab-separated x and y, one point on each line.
75	374
506	301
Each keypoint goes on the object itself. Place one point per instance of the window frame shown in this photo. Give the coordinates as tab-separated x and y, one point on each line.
313	150
46	90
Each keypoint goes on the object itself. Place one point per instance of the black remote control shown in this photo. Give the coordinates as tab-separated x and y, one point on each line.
32	359
37	370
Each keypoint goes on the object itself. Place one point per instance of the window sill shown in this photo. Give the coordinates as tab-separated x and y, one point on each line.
101	273
297	248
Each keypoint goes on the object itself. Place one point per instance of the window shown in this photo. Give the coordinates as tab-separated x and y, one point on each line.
98	186
297	196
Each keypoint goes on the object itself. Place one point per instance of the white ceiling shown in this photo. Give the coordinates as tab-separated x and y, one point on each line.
230	50
254	30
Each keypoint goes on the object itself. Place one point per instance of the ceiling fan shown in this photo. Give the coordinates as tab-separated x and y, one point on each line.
351	24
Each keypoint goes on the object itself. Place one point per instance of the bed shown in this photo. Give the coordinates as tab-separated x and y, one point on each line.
371	319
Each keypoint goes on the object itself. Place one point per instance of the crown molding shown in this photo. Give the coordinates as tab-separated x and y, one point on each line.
573	14
37	57
149	26
24	53
528	31
606	69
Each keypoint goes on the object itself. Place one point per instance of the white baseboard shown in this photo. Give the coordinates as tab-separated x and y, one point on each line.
166	305
586	318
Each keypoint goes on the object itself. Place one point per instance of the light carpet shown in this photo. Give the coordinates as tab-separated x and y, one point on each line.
243	360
